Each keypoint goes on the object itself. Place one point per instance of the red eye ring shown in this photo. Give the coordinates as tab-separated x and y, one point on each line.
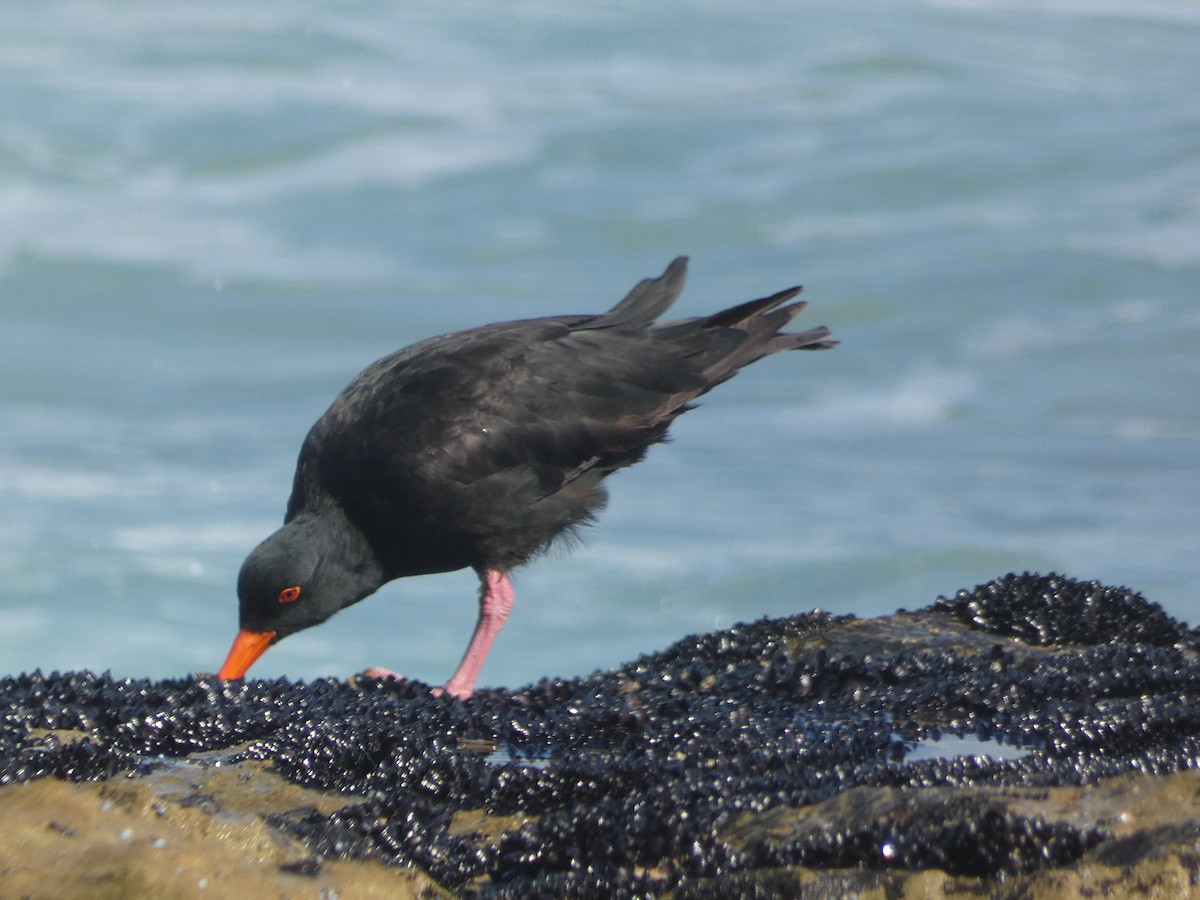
289	594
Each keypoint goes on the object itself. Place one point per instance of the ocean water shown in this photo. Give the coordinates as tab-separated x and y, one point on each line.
212	216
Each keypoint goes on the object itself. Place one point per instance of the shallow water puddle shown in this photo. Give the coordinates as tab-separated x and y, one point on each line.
950	746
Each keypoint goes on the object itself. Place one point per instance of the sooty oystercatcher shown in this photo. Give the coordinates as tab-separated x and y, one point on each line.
479	448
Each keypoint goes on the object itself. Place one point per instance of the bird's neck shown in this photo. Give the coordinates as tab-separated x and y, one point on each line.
345	552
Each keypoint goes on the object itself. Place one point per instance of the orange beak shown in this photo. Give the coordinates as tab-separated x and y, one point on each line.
247	647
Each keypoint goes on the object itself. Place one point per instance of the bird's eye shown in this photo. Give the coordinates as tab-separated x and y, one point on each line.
289	594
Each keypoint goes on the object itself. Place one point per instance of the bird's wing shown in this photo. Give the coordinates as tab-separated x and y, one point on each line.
578	400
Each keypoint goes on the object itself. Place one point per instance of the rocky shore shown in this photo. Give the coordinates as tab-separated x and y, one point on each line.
1035	736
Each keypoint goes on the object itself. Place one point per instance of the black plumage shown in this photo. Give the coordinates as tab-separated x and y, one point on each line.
481	447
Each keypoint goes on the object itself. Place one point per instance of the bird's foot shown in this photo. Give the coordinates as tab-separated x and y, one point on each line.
450	691
379	673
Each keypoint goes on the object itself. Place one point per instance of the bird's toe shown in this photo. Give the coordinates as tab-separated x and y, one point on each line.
379	673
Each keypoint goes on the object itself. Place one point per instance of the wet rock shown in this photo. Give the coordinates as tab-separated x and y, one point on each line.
138	838
1004	737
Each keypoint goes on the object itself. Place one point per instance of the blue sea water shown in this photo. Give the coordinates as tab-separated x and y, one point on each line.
213	215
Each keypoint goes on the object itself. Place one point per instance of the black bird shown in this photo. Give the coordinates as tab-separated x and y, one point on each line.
479	448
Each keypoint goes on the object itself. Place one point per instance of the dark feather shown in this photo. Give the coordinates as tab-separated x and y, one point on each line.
480	447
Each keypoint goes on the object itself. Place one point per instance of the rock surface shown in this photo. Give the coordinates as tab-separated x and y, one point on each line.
1035	736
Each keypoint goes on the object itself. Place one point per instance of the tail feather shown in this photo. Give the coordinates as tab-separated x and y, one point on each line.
649	299
813	339
717	345
738	315
760	326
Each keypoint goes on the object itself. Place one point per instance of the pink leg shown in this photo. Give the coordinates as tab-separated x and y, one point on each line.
496	600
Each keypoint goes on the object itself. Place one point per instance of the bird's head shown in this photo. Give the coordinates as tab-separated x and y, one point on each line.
296	578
